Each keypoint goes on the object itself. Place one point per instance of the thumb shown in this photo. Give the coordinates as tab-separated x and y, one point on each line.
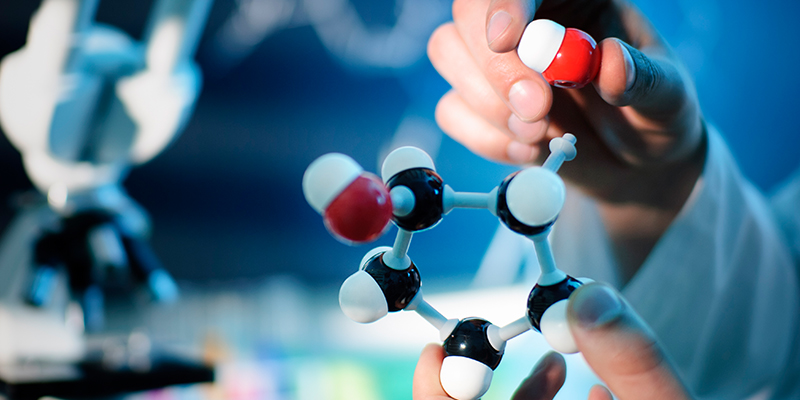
649	80
426	375
619	347
662	117
505	21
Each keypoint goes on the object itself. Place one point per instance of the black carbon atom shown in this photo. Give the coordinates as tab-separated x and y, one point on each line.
469	339
542	297
508	219
398	286
428	189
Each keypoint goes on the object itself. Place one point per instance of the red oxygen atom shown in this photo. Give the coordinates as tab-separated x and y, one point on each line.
566	57
576	63
361	212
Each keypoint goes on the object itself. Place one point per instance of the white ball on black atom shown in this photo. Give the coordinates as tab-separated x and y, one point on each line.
412	168
377	289
468	368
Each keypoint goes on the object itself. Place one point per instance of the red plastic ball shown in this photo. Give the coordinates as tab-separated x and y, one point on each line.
576	63
361	212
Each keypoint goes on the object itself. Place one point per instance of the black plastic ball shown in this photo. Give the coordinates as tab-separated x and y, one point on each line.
508	219
469	339
542	297
398	286
428	189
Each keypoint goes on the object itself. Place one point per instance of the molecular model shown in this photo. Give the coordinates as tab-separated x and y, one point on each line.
566	57
357	207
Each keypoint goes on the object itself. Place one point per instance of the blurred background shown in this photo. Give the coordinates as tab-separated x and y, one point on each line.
288	80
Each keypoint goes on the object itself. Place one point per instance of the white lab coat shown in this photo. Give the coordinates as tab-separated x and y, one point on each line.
719	289
786	204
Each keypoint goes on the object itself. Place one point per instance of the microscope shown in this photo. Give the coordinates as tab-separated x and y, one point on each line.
83	103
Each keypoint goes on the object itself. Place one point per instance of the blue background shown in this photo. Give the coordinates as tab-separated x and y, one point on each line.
225	198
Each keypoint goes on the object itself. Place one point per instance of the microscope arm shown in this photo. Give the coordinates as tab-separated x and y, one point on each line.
161	97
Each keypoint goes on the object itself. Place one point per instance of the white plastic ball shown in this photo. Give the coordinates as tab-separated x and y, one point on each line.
555	328
535	196
326	177
539	44
371	254
404	158
361	299
464	378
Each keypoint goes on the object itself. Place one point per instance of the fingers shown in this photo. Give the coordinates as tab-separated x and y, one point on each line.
505	21
619	347
464	125
498	106
451	57
546	379
643	106
453	60
522	89
598	392
426	375
544	382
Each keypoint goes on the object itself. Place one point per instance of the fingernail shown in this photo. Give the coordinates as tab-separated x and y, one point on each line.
630	68
527	100
519	153
497	25
527	132
596	305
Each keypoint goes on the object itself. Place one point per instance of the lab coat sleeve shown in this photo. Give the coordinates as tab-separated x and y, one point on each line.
786	204
720	288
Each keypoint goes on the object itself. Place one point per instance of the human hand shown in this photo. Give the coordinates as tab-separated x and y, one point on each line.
615	342
639	127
